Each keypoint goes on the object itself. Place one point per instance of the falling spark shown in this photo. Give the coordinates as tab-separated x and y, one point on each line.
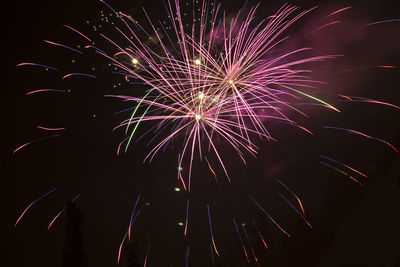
64	46
296	210
340	10
262	238
126	234
383	21
36	64
363	135
293	194
147	255
248	241
131	219
78	32
212	254
34	141
211	232
33	203
344	165
50	129
241	240
187	217
58	214
342	172
78	74
45	90
387	66
367	100
269	216
211	169
326	25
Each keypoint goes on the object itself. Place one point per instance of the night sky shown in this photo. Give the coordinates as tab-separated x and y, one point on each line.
352	225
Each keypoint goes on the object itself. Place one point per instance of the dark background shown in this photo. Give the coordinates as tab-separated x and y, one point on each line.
352	225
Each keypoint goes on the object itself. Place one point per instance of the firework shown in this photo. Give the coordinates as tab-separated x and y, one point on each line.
215	81
208	87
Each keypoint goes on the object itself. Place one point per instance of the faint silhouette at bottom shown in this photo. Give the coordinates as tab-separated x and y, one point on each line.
73	253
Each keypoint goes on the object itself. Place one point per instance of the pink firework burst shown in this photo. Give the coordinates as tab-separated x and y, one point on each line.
212	81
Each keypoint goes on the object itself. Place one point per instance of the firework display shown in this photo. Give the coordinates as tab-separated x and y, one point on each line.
213	91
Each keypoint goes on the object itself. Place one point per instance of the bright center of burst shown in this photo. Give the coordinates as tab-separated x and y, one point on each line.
230	81
197	62
198	117
201	95
135	61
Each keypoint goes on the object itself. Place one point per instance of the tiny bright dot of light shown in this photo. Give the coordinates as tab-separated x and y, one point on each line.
135	61
177	189
197	62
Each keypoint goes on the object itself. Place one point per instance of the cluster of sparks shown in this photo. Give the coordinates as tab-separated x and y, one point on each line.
216	81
